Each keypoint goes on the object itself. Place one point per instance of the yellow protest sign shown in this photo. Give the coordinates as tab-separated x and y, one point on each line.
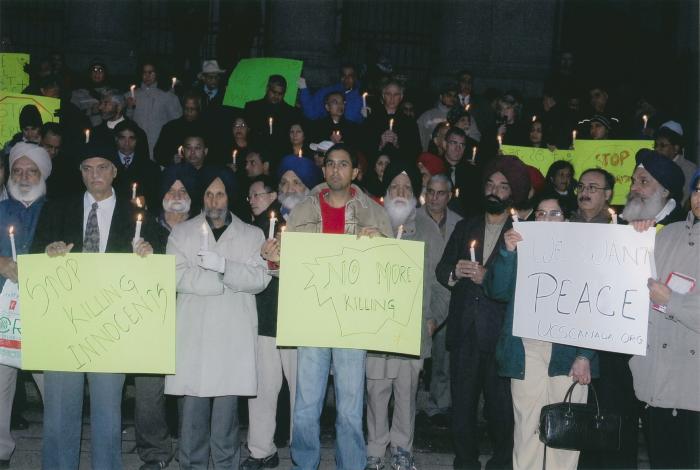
540	158
13	78
11	105
344	292
98	313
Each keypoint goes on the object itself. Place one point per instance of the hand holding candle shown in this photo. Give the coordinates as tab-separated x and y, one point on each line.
273	221
514	215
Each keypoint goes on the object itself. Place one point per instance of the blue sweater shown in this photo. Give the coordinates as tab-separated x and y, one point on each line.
499	284
314	105
23	219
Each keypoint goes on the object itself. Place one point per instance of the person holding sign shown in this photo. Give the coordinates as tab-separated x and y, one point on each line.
541	372
340	207
474	321
30	165
218	272
667	378
94	222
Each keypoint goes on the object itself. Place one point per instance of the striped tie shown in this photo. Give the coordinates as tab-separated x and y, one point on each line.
91	242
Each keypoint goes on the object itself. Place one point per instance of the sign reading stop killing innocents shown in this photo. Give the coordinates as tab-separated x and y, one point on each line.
343	292
99	312
584	285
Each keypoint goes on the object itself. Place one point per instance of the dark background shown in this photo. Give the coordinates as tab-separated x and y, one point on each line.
636	47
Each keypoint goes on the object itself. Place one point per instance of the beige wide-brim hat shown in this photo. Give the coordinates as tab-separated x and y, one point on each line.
210	66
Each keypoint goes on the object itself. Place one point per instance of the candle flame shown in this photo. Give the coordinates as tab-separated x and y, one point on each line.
299	153
473	244
422	200
365	94
235	152
512	212
534	118
133	187
611	211
138	204
132	87
269	120
645	117
456	192
179	150
272	215
12	229
500	140
381	199
467	107
573	133
283	228
139	218
473	153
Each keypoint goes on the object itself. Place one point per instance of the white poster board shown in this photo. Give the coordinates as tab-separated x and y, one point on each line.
584	285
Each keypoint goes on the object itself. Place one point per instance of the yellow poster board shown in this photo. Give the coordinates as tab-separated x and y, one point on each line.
13	78
11	105
344	292
98	313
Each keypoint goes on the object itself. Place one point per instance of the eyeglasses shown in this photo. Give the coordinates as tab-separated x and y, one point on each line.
591	188
541	214
257	195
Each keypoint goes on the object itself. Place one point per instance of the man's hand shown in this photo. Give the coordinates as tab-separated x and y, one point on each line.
58	248
642	225
370	232
365	111
389	137
512	237
471	270
432	326
659	293
8	268
270	250
336	137
211	261
142	248
581	371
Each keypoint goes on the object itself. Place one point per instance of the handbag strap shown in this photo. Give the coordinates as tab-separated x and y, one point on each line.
570	391
544	458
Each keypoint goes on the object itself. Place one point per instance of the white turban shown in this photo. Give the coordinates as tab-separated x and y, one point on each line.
35	153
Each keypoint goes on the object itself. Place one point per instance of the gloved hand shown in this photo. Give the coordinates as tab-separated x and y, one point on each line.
211	261
301	83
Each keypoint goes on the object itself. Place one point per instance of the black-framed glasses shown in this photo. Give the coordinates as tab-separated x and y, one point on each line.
591	188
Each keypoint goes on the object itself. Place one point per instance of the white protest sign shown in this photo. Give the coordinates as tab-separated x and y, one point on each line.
584	285
10	329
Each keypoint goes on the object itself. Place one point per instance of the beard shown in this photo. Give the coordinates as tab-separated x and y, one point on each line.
26	193
215	214
290	200
494	205
178	206
400	210
640	208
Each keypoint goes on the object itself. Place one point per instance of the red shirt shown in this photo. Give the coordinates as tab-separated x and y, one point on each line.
333	218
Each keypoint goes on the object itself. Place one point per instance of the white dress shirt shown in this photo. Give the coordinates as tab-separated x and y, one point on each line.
105	210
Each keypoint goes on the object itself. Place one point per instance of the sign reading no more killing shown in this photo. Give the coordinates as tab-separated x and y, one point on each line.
584	285
98	313
344	292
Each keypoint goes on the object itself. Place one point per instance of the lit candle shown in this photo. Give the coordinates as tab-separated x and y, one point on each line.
179	151
133	91
472	252
299	154
133	191
364	99
336	134
534	118
273	221
399	234
269	124
613	216
234	155
204	245
467	107
391	124
12	243
473	154
645	118
87	136
456	192
381	200
422	200
172	87
137	233
514	215
500	141
282	229
573	137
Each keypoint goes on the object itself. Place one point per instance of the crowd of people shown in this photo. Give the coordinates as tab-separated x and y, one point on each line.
208	178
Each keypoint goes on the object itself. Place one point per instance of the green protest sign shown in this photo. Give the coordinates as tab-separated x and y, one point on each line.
78	316
11	105
344	292
248	81
13	78
540	158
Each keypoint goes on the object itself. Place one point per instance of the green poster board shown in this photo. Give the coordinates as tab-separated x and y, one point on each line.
248	81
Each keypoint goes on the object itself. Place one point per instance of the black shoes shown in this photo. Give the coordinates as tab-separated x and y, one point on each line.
252	463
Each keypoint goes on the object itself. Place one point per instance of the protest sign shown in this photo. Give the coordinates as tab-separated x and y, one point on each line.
11	105
540	158
248	82
13	78
10	326
344	292
584	285
98	313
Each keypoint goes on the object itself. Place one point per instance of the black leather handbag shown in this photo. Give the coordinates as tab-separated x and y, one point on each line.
579	426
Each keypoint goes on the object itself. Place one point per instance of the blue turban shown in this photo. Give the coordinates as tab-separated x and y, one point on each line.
304	168
665	171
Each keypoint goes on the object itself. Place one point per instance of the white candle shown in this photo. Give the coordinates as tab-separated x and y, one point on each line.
613	216
133	92
472	252
179	151
500	141
87	136
573	137
137	233
534	118
456	192
399	234
391	124
364	99
205	237
133	191
514	215
234	155
273	221
645	118
12	243
299	154
174	82
269	123
422	200
466	108
474	154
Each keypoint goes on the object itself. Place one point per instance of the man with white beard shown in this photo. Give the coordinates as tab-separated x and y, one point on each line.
387	373
30	165
298	176
657	190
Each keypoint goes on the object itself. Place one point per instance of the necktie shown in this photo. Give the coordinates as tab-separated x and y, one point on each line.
127	161
453	175
91	240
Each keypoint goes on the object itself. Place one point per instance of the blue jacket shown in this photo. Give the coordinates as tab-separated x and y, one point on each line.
314	105
24	219
499	284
